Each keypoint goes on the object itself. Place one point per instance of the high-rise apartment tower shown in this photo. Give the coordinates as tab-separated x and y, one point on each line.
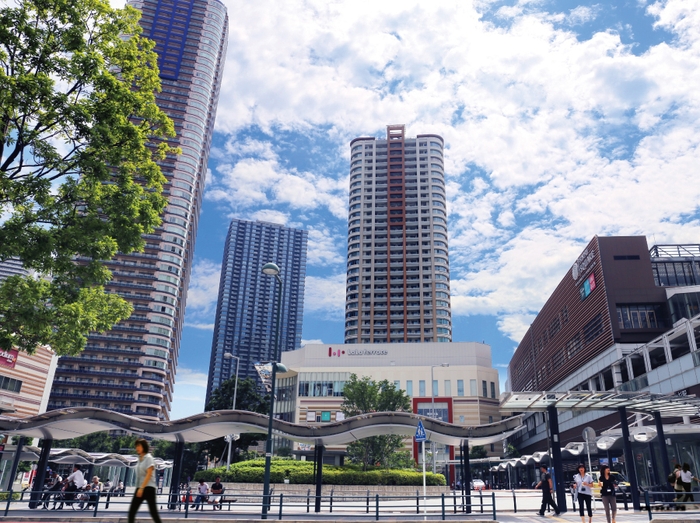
247	308
131	368
398	276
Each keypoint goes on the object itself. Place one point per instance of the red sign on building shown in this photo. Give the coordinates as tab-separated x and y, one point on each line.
8	358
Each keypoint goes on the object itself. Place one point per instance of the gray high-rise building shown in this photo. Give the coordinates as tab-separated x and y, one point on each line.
398	275
247	306
131	368
11	267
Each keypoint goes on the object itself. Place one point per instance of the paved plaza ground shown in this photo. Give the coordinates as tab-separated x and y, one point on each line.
390	510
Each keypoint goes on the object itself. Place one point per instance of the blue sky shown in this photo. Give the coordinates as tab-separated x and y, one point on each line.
562	120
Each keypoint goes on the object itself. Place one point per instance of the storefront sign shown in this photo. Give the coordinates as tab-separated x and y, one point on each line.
582	264
356	352
8	358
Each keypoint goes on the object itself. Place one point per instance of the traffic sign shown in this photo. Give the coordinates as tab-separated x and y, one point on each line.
420	432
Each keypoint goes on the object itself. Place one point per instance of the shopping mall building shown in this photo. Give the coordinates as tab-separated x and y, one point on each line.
464	387
623	318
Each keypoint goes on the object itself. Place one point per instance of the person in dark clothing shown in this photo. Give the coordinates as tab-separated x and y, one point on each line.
607	493
217	490
547	488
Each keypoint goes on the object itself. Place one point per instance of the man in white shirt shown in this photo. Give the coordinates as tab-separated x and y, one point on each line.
202	491
76	478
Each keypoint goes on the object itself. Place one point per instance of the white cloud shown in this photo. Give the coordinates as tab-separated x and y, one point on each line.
551	139
325	295
203	291
311	342
270	215
192	377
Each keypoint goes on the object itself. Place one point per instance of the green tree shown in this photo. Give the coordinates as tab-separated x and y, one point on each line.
478	452
247	398
100	442
366	395
80	135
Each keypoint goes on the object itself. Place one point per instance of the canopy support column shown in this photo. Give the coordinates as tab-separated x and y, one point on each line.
177	472
660	436
40	477
319	477
629	459
466	476
559	483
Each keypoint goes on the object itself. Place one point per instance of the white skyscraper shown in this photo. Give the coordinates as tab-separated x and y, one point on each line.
398	278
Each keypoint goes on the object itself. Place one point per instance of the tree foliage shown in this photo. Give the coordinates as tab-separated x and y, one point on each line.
80	135
247	398
478	452
366	395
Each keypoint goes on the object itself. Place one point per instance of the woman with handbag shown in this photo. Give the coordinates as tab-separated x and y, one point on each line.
607	493
583	482
686	479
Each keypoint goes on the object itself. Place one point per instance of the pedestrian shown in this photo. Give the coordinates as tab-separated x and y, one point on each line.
202	491
547	488
686	477
677	487
607	493
145	481
584	482
217	490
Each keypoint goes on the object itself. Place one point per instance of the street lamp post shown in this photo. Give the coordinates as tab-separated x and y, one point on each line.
229	356
271	270
432	407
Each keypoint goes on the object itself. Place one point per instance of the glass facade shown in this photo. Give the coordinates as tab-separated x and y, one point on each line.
320	384
247	306
138	356
684	305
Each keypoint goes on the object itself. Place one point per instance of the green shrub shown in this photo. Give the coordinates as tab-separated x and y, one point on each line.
301	473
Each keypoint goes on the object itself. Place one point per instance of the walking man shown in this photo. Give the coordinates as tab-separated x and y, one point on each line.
547	488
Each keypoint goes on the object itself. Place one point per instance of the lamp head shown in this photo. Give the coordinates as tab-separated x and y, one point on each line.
270	269
228	356
281	367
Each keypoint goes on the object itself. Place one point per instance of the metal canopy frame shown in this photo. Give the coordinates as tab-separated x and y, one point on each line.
668	405
79	421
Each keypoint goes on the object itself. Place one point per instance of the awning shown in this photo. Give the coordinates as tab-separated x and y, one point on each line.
644	402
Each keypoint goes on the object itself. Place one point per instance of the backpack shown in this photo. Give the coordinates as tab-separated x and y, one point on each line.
671	478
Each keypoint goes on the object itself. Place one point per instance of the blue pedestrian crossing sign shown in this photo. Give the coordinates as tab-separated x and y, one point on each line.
420	432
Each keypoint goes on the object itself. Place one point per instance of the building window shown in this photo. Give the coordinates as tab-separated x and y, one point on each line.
461	419
448	388
460	388
472	388
484	389
490	419
409	387
421	388
493	390
397	384
10	384
435	388
644	316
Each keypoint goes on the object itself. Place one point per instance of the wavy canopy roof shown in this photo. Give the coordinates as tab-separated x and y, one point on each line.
74	422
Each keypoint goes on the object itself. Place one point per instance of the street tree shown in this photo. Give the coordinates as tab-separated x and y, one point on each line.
248	398
366	395
80	138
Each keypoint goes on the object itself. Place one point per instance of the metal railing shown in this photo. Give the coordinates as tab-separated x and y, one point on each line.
443	506
659	500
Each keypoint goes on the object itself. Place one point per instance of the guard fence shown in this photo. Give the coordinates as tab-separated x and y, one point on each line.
664	500
373	506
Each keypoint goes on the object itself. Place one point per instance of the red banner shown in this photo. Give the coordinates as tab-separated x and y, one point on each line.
8	358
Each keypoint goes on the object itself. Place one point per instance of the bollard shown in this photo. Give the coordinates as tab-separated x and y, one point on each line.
417	504
454	499
443	506
331	501
97	502
367	501
376	516
281	503
308	499
493	504
481	500
515	503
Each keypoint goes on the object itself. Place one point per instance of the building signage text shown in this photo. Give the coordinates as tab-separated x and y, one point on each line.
356	352
584	262
8	358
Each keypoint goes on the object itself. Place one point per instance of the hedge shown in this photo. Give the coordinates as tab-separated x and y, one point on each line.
301	473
